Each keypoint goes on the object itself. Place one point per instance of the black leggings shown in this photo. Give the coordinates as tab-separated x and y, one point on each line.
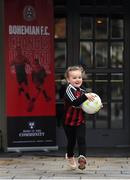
76	134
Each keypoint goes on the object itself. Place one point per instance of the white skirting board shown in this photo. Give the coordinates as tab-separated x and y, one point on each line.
23	149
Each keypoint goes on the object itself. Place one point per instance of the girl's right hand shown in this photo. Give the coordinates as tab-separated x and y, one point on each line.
90	96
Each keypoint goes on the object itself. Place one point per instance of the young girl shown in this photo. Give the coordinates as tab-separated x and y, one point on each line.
74	122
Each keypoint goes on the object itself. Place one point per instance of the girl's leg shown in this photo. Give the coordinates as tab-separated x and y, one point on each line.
71	139
81	139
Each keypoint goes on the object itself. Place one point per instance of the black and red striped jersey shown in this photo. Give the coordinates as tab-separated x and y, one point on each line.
73	98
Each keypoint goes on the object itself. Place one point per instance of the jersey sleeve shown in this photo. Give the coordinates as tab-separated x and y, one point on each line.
72	99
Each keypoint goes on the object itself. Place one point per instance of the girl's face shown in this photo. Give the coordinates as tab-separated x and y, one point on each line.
75	78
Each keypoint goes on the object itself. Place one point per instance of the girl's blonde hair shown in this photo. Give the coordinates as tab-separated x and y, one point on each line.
74	68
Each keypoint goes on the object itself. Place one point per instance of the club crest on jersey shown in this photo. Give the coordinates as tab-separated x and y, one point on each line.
77	94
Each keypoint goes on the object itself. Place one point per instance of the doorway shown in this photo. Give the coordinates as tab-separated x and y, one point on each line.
94	36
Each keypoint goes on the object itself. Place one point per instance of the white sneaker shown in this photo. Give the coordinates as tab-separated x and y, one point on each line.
71	162
82	162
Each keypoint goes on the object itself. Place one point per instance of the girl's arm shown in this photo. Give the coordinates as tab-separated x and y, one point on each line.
72	99
77	101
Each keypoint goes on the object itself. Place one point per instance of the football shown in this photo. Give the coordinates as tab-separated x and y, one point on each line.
91	107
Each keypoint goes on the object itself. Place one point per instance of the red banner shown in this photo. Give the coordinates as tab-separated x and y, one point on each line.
29	55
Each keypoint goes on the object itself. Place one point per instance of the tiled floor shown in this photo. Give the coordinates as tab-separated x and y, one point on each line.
44	167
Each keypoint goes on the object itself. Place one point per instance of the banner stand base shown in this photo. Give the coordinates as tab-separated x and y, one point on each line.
23	149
